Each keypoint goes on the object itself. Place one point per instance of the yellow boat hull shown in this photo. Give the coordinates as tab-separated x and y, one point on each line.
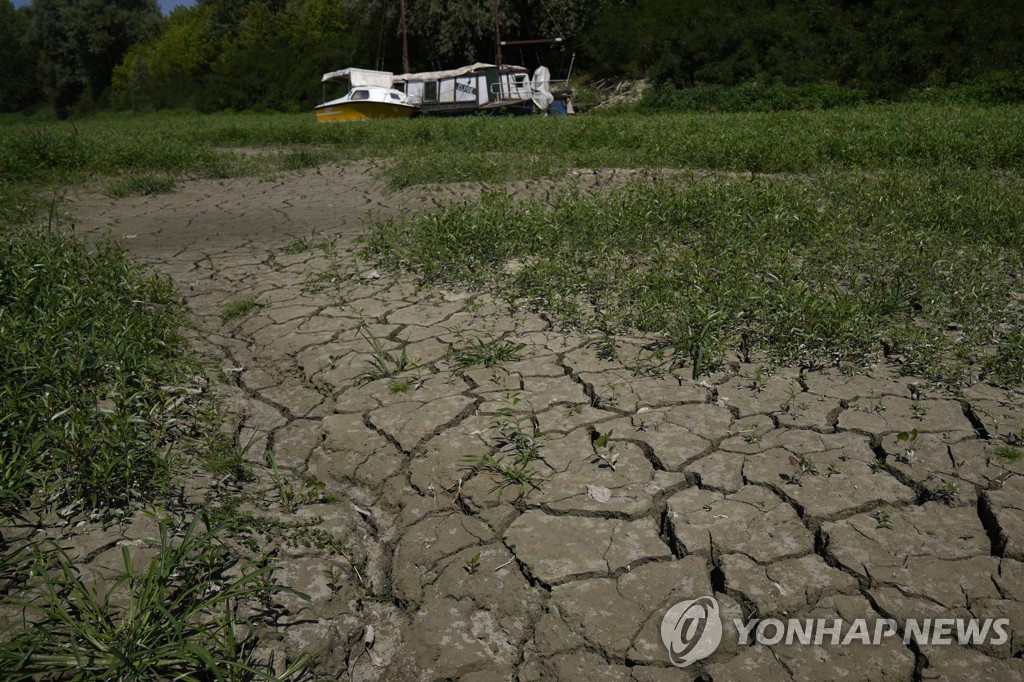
360	111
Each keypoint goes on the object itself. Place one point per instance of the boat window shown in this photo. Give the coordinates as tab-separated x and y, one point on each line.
430	91
520	79
360	94
395	97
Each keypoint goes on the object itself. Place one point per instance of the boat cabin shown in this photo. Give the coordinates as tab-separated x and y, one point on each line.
369	95
478	87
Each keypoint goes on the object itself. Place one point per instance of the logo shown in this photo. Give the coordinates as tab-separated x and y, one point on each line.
691	630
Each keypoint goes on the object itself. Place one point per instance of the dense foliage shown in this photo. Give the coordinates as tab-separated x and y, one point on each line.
882	46
269	54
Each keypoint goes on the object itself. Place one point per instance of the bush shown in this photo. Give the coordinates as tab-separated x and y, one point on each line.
750	97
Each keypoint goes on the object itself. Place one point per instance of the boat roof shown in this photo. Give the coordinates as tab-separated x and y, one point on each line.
360	77
453	73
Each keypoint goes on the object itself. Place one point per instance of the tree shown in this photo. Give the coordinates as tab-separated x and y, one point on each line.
446	33
82	41
238	54
19	87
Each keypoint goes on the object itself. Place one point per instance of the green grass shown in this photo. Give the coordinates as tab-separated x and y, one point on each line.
830	268
303	244
1009	453
382	364
510	463
490	353
98	410
877	137
89	350
176	618
238	307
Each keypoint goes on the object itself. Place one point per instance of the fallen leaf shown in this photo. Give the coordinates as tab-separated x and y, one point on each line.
599	492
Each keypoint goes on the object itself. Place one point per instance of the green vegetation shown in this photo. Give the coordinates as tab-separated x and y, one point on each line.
1008	453
826	269
510	463
238	307
883	47
303	244
877	137
86	55
99	415
382	364
96	418
90	355
813	236
176	618
830	238
490	353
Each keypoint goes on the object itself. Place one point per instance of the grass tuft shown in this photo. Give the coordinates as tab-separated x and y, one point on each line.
238	307
177	618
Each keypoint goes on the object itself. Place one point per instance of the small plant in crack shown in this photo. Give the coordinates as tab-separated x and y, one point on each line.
652	364
290	494
882	517
302	244
877	465
608	396
947	492
804	466
382	364
506	474
605	346
238	308
516	448
751	434
757	381
1008	453
490	353
604	454
519	432
221	457
832	470
792	406
400	385
472	563
908	437
316	282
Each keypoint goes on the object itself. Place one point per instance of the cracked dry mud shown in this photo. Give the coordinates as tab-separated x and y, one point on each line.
705	497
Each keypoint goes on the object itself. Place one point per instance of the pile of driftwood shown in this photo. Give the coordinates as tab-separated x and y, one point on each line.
609	92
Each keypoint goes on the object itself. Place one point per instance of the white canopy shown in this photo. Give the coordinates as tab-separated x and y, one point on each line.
361	77
451	73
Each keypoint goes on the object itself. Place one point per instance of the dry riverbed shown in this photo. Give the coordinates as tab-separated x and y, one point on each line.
782	493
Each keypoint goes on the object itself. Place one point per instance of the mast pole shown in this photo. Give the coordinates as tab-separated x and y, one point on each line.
405	40
497	34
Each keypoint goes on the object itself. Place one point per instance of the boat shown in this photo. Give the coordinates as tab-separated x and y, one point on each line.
371	95
477	88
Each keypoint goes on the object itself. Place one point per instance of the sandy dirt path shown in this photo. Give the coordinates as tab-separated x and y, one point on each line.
780	495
